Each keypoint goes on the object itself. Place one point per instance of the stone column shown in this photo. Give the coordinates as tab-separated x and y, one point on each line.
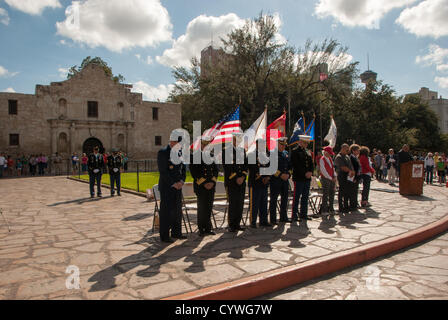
72	137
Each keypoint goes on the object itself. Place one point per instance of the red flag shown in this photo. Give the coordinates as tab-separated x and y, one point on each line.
323	76
278	125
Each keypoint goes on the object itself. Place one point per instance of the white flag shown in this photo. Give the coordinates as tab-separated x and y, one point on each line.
332	134
256	131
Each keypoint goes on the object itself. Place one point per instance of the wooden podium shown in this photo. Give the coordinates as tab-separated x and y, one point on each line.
412	175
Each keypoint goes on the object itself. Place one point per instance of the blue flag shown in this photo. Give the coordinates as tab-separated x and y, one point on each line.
298	130
310	130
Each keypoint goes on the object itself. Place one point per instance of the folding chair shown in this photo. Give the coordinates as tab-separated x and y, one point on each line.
315	198
155	220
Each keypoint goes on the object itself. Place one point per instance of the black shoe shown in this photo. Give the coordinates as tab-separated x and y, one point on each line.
305	219
240	228
168	240
265	225
294	219
274	223
253	226
209	233
112	194
119	194
100	196
232	230
181	237
283	220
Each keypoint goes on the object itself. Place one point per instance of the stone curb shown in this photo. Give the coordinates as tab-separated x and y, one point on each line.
275	280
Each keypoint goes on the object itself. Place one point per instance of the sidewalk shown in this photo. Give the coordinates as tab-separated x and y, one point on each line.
55	224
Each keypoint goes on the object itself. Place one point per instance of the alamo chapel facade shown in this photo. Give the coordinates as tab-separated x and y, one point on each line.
87	110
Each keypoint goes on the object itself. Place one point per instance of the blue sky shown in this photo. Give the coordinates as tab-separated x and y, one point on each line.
407	40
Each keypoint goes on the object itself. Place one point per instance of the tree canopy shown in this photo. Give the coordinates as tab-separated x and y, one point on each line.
258	69
98	61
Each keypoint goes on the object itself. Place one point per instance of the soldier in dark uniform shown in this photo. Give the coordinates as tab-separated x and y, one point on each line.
114	165
95	166
279	184
172	178
204	185
258	191
235	173
302	166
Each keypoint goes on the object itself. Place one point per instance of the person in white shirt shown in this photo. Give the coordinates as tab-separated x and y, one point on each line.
328	179
2	164
429	167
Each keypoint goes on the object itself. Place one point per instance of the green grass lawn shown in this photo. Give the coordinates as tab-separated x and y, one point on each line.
129	180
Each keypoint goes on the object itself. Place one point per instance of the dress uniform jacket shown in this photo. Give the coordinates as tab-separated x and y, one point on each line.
258	193
170	198
235	192
95	162
203	174
301	162
114	162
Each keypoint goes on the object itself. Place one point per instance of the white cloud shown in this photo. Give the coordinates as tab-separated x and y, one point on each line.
4	17
116	24
363	13
442	82
198	35
11	90
148	59
5	73
437	56
428	18
63	72
33	7
153	93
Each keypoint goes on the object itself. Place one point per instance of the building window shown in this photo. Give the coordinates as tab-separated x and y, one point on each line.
13	139
92	109
158	140
155	113
12	106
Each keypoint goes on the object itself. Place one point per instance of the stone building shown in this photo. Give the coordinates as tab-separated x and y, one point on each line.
437	104
87	110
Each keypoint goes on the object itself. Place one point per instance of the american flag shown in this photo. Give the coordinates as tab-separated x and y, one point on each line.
219	128
231	123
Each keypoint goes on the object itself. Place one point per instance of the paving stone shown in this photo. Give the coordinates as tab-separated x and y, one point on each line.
418	290
258	266
165	289
208	277
20	274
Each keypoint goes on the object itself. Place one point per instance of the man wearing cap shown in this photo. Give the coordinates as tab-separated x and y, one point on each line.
258	189
328	179
235	173
279	184
205	177
114	165
302	166
171	181
95	166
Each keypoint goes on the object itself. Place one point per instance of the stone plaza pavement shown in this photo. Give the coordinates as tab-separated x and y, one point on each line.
54	224
417	273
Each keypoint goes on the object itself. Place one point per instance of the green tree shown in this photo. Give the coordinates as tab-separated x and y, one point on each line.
260	70
98	61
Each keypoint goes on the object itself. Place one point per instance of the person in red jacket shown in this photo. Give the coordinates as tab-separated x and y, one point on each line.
366	175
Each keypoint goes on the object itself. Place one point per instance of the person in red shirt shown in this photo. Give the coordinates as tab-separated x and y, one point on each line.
366	175
328	179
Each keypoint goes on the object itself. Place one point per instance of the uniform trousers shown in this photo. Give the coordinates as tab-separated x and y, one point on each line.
301	194
344	191
259	204
95	177
328	190
205	206
278	188
236	195
115	180
170	212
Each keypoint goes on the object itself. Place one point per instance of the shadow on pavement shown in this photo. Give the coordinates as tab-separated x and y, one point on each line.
138	217
419	198
78	201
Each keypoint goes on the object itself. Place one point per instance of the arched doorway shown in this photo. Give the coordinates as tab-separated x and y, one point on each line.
63	144
90	143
